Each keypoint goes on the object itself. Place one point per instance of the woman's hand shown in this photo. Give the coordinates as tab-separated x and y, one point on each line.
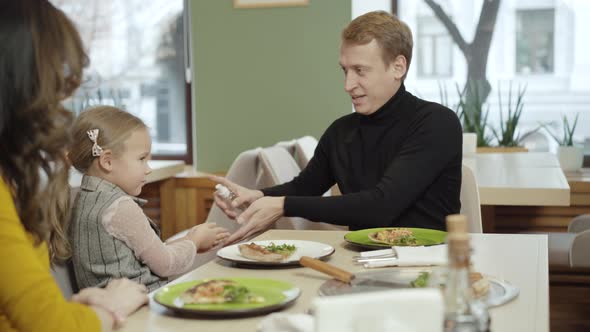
121	297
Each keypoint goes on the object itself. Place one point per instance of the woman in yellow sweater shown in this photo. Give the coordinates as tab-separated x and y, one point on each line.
41	63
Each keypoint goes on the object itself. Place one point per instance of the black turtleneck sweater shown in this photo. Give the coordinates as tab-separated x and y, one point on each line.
400	166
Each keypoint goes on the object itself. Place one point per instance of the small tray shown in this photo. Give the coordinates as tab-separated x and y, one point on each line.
500	292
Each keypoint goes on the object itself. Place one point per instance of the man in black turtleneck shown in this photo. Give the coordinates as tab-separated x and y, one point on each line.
396	160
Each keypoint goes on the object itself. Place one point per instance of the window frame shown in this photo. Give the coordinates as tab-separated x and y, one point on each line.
187	155
518	73
433	40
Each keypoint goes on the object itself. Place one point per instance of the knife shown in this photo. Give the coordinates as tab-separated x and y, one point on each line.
356	280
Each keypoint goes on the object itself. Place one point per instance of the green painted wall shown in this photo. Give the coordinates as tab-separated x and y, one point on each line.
264	75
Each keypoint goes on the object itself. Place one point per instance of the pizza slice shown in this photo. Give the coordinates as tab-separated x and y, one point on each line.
219	291
269	253
480	284
394	237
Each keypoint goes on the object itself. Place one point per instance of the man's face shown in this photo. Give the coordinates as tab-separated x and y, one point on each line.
367	79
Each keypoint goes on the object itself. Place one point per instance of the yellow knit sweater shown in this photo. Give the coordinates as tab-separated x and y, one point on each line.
30	299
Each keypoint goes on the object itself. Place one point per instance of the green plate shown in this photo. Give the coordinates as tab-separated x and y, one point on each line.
425	237
277	295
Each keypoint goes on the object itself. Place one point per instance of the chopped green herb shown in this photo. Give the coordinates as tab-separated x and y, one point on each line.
406	240
240	294
421	281
281	249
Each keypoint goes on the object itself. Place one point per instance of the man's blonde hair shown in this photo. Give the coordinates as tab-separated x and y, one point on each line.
392	35
115	126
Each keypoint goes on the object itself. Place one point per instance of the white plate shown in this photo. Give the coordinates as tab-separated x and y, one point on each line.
303	248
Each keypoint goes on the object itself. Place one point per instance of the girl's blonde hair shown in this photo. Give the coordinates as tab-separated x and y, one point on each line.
114	126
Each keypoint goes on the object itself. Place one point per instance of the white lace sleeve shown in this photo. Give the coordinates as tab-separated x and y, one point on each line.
125	221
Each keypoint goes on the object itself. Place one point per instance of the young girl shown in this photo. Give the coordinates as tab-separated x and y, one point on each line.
111	236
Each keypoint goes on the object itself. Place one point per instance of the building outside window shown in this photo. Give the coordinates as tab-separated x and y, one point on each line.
434	48
137	62
525	50
534	41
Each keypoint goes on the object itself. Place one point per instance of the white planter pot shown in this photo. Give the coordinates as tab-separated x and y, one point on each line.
570	158
469	144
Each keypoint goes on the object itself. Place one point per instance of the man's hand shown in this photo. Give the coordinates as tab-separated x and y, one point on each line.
260	216
244	196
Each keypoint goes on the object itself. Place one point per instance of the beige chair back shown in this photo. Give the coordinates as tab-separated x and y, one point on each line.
578	253
304	150
245	171
278	166
470	204
580	245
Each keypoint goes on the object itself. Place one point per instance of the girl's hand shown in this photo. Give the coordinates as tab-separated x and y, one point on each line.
207	235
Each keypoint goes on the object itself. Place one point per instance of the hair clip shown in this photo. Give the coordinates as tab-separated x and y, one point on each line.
93	135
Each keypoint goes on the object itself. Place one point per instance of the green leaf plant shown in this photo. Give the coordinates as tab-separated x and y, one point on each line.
507	135
567	139
473	116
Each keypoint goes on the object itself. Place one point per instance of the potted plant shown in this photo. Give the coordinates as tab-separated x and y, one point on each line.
571	157
507	136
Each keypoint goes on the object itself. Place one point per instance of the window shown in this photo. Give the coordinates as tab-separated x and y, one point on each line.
523	50
434	48
137	62
534	41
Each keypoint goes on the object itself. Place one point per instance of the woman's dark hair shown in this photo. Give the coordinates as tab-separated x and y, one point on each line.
41	63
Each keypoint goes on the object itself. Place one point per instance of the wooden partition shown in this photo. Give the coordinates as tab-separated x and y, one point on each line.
569	298
193	199
180	202
159	208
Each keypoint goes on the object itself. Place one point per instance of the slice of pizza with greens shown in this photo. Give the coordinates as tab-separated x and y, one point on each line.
219	291
268	253
394	237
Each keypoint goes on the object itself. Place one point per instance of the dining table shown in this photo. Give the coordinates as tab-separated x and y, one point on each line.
517	179
520	178
518	259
